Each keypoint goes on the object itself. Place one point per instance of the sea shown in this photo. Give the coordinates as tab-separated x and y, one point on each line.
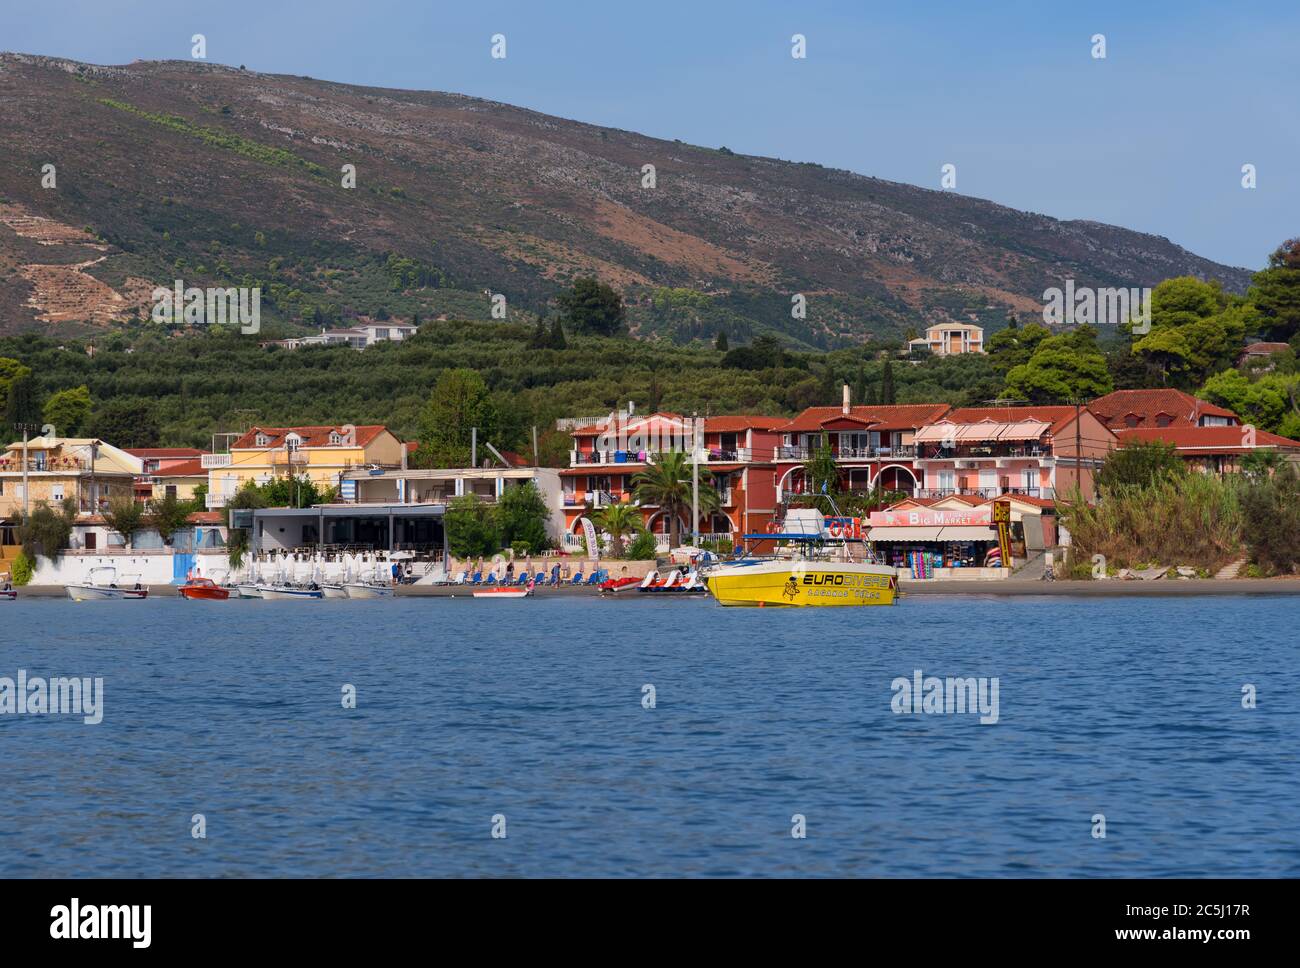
567	737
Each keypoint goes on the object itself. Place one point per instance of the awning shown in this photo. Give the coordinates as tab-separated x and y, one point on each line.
1025	430
968	533
888	533
936	433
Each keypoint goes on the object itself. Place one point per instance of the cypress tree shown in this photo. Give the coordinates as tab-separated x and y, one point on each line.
887	396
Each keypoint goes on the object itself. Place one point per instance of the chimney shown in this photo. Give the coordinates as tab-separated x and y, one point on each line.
845	408
631	408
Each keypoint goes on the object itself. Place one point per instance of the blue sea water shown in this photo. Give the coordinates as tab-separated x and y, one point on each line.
1130	708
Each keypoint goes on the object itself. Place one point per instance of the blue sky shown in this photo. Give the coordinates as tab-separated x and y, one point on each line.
1151	138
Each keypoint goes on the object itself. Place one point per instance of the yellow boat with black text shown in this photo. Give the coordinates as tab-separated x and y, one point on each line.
807	569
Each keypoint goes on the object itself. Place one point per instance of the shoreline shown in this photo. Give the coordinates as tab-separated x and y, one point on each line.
1008	587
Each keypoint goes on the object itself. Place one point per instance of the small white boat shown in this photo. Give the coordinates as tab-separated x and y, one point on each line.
368	589
288	592
248	591
93	591
334	591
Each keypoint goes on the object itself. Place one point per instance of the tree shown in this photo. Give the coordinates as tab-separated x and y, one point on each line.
644	547
720	341
293	492
541	339
1067	366
888	396
667	483
1260	464
46	530
1275	292
458	404
67	410
21	407
522	516
593	308
167	515
821	474
557	340
1196	330
1140	465
10	370
471	528
125	422
1271	517
126	517
618	521
1013	346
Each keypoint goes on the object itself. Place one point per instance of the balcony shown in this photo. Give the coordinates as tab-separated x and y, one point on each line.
41	465
986	492
209	461
902	452
984	452
215	502
287	457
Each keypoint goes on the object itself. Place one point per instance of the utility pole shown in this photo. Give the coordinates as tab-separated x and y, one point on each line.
1078	443
695	485
25	500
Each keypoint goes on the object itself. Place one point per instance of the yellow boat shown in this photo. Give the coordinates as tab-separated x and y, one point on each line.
792	581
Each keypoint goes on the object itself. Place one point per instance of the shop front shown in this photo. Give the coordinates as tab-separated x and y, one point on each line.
937	542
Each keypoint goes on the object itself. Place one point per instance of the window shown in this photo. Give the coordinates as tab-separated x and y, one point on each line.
170	490
1132	420
1163	420
262	440
335	438
56	492
946	482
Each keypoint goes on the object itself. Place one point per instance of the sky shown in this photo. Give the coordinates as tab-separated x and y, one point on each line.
1152	137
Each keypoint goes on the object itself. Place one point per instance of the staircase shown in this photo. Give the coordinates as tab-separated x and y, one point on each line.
1232	570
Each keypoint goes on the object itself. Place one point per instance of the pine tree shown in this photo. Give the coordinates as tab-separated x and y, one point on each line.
557	341
720	343
541	338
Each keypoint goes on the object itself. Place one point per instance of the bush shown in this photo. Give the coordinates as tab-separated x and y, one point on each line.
1271	509
642	548
23	570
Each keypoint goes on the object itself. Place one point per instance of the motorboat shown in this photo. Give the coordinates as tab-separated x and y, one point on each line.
203	588
289	592
94	591
368	589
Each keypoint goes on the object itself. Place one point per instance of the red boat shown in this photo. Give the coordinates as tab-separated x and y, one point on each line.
618	584
204	588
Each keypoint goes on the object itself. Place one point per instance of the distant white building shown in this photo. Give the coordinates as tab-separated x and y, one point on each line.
358	337
949	339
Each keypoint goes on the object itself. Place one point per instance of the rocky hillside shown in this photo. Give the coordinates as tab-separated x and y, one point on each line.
221	176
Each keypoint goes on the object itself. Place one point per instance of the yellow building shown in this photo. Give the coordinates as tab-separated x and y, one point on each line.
320	454
89	471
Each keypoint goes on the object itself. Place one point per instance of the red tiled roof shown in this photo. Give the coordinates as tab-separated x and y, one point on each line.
908	416
646	421
1185	409
1208	440
1265	349
163	452
189	468
206	517
738	422
311	436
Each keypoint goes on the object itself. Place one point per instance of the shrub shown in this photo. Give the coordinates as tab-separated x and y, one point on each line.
23	570
643	548
1271	508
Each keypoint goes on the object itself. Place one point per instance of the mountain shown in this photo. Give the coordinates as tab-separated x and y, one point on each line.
221	176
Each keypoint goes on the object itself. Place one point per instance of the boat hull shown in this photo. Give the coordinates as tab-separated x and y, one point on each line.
93	593
285	594
248	591
503	593
360	590
803	583
209	593
334	591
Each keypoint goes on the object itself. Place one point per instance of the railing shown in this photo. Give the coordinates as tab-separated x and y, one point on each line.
984	453
730	455
209	461
214	502
986	492
849	453
39	465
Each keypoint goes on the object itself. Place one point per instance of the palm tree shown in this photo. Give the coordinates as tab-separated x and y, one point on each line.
618	520
667	483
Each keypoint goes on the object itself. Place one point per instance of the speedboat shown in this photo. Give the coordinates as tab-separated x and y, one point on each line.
8	594
248	590
288	592
810	568
368	589
203	588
